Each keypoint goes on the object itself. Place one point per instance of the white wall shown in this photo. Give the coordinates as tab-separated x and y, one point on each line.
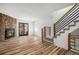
25	21
62	40
40	24
58	14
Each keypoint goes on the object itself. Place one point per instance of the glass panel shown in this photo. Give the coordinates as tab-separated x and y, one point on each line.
72	42
77	44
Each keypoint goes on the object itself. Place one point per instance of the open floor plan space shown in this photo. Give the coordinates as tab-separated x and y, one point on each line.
31	46
39	29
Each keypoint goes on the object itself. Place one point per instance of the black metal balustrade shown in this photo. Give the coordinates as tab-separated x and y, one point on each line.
66	19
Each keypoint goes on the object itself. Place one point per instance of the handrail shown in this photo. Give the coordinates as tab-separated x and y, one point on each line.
70	14
65	14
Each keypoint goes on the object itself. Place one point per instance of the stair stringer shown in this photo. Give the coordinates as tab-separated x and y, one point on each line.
70	25
62	40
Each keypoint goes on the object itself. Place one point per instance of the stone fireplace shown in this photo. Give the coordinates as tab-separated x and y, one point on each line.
7	26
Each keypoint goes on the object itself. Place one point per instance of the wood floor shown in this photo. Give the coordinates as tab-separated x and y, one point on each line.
31	46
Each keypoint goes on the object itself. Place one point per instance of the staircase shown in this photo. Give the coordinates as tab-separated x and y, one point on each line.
66	24
67	21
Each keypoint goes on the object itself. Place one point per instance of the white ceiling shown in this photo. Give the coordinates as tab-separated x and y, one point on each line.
31	11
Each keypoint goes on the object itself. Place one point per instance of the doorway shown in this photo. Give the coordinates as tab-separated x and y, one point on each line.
23	29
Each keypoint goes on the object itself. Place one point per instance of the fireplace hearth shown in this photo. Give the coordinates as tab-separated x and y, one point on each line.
9	32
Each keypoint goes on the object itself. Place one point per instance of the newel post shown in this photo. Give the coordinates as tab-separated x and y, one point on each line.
68	41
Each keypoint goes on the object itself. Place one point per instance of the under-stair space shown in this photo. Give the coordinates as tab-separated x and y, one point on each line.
74	40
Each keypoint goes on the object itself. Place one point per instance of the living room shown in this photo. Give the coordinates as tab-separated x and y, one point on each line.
21	28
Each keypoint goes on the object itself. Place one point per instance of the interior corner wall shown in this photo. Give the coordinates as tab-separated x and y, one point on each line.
40	24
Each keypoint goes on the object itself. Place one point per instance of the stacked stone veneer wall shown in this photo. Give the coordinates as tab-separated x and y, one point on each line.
6	22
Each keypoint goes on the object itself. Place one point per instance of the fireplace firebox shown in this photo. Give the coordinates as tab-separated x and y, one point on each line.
9	32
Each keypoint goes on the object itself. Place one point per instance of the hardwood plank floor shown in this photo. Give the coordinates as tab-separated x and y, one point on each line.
31	46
